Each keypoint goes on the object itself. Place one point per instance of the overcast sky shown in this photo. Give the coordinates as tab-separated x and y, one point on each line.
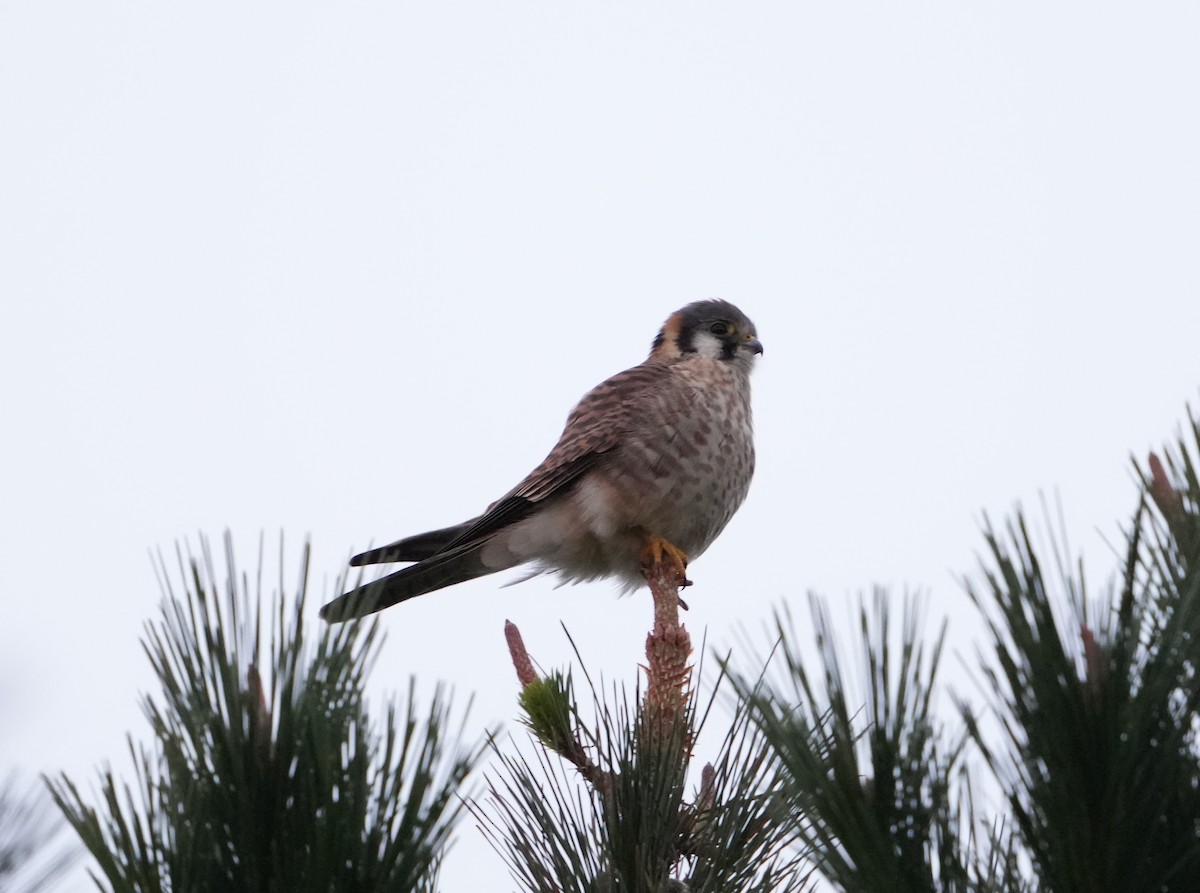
341	271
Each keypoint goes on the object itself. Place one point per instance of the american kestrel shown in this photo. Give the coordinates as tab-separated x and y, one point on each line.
660	452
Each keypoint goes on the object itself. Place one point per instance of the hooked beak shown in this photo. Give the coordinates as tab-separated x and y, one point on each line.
753	345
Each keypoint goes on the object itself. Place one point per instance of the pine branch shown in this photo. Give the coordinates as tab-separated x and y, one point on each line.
877	791
32	853
1100	703
630	828
267	773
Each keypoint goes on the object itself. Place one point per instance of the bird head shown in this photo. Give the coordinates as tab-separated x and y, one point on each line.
714	329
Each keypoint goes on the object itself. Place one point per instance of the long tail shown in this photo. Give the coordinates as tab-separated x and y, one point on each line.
413	548
435	572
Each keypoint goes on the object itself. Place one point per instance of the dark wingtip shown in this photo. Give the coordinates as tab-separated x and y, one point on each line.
353	605
333	612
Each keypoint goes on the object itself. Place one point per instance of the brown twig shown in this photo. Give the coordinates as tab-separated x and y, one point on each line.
1095	658
565	741
668	650
664	714
1166	497
260	716
522	663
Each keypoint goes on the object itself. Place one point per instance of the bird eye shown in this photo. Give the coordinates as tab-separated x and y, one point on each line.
719	328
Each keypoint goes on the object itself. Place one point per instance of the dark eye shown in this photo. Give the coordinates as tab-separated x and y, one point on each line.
719	328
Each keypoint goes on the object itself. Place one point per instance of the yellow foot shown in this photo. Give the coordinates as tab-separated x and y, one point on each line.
661	554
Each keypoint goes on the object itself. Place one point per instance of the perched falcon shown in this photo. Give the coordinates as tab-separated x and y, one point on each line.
657	458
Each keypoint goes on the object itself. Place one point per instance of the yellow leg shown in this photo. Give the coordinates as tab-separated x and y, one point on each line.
660	554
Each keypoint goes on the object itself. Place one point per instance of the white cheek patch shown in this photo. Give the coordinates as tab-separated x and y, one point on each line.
708	345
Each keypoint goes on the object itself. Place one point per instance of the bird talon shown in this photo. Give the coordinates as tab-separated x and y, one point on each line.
660	555
682	603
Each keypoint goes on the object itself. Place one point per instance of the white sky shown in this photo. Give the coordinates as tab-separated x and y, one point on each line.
342	270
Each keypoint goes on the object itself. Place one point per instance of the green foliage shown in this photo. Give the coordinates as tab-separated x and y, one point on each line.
1092	736
876	783
1092	733
546	703
32	856
267	773
746	837
630	828
1100	702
